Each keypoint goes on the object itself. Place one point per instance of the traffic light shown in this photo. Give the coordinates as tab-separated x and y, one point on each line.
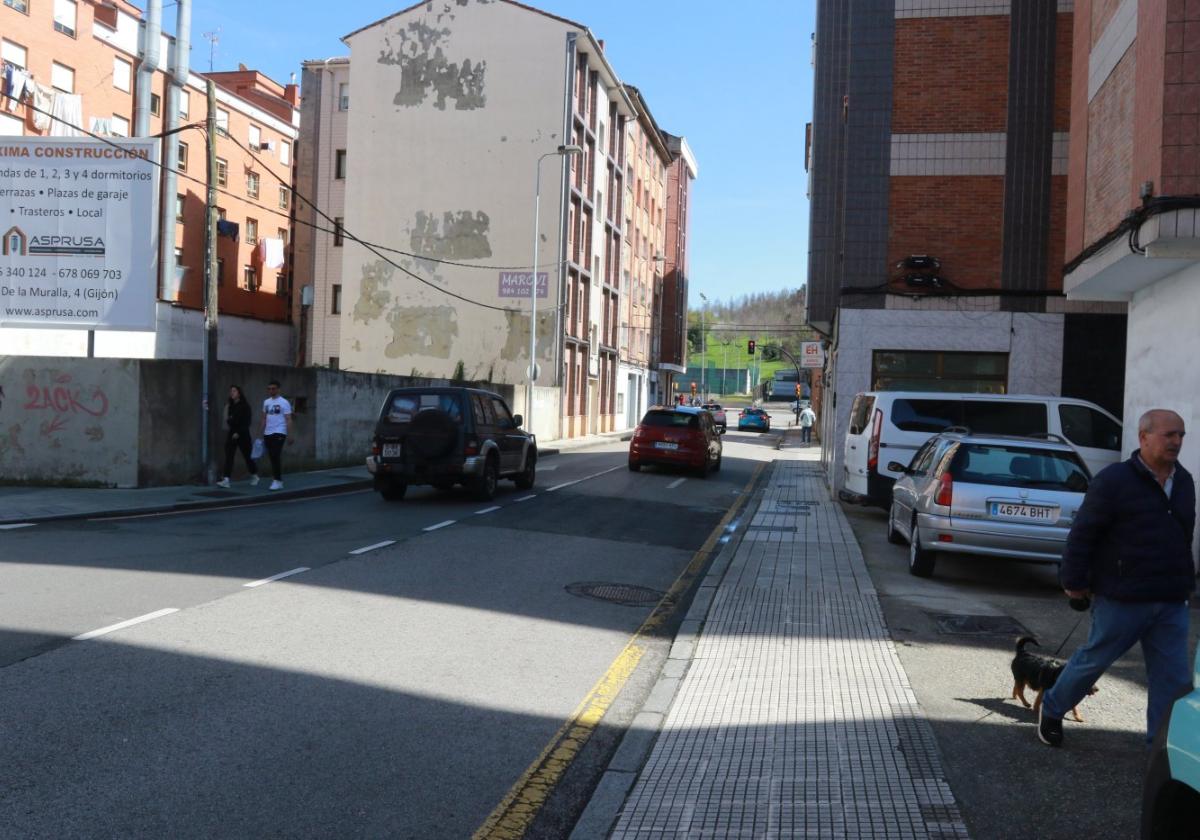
798	391
750	346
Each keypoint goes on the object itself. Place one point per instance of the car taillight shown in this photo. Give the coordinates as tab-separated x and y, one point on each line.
471	447
873	445
945	491
376	447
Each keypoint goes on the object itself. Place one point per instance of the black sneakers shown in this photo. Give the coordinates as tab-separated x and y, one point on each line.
1049	729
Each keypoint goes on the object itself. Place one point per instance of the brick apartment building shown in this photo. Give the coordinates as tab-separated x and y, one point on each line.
449	221
671	307
1132	233
85	57
938	184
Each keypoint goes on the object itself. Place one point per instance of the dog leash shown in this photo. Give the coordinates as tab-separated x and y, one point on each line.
1081	605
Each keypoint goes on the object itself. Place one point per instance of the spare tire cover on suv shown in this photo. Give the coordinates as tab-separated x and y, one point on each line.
432	434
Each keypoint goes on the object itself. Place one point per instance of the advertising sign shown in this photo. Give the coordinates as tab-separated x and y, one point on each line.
515	284
811	355
80	233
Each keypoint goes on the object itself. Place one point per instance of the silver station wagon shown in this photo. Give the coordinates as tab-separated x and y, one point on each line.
992	495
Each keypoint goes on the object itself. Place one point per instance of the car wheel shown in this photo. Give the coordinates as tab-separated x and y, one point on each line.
893	536
485	485
392	490
524	480
702	470
717	466
634	466
920	559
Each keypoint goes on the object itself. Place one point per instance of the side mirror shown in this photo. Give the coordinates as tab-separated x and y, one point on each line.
518	420
896	466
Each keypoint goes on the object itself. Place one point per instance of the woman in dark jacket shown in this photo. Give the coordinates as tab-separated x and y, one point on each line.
237	436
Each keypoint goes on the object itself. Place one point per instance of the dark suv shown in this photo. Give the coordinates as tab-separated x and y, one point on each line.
447	436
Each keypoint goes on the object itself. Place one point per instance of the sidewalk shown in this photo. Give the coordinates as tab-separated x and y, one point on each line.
21	505
783	710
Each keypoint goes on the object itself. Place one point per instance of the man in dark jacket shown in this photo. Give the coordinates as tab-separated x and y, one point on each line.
1130	549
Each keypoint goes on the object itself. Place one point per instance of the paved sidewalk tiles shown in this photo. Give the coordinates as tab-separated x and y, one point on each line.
795	717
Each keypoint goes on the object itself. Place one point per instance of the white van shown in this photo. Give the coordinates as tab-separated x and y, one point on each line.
888	426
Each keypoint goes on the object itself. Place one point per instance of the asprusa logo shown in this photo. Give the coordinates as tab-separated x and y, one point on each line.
15	242
57	244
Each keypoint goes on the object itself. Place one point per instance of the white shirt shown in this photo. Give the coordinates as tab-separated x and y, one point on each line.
276	410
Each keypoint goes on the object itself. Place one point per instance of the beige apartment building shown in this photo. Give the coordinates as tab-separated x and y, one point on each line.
83	62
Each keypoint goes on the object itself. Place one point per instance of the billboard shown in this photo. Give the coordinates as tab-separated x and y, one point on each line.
515	284
812	355
80	233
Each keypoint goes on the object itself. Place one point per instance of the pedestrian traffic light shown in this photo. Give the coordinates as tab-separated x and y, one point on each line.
693	389
798	391
750	346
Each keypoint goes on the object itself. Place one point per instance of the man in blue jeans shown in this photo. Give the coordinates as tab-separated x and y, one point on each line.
1130	549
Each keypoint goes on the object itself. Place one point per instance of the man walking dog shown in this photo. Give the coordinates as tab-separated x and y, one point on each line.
1130	550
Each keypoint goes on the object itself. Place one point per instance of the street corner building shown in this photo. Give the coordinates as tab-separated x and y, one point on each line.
429	146
939	204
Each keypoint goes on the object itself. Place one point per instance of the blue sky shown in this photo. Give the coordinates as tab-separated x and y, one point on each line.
734	78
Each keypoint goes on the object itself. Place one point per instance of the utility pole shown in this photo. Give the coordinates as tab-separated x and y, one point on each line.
209	367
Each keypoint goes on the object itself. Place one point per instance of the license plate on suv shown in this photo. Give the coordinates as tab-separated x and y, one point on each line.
391	450
662	444
1024	512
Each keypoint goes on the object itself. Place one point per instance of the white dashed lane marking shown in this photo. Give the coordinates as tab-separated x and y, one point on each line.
487	510
373	546
676	483
440	525
91	634
18	525
279	576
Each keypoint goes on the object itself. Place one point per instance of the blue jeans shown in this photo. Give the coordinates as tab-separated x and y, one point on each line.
806	434
1161	627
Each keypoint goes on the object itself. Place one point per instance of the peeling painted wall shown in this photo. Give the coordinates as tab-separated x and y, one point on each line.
453	103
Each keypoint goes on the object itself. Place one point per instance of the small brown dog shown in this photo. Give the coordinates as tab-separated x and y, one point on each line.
1038	673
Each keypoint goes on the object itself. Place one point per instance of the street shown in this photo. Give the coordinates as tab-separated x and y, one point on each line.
416	660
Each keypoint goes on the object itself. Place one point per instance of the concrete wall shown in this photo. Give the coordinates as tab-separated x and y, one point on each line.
128	422
450	112
1033	341
70	421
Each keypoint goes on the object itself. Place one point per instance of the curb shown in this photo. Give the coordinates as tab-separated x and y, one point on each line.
177	507
601	813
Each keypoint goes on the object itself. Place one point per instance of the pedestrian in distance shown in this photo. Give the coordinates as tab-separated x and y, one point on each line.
1130	551
276	426
807	418
237	435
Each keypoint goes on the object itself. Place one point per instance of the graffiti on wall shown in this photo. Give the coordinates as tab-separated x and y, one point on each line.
61	402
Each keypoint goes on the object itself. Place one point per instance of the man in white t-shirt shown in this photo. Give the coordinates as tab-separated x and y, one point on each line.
276	425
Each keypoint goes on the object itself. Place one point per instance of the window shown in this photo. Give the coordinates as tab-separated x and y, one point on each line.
251	231
221	213
62	77
19	5
179	199
1015	466
11	126
12	53
255	137
222	172
178	256
64	17
183	153
344	96
120	126
335	302
338	231
252	184
122	73
222	121
504	420
860	414
249	278
284	196
155	104
184	103
285	153
220	271
1085	426
1004	418
339	164
334	363
924	370
282	235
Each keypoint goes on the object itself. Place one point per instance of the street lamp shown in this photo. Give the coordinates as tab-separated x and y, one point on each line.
703	348
563	151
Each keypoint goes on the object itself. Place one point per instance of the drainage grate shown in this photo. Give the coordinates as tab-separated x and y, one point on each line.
978	625
783	529
795	505
617	593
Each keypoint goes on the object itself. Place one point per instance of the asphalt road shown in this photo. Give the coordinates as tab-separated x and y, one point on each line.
396	683
1008	784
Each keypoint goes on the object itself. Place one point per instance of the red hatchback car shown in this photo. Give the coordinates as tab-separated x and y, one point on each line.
677	436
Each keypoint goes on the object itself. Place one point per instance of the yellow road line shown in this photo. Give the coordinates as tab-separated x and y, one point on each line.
517	810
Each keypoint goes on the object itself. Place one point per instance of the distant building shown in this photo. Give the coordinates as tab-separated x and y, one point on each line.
87	54
455	109
938	170
671	306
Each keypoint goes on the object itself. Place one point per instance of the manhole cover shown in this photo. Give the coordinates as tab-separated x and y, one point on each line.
215	494
978	625
617	593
